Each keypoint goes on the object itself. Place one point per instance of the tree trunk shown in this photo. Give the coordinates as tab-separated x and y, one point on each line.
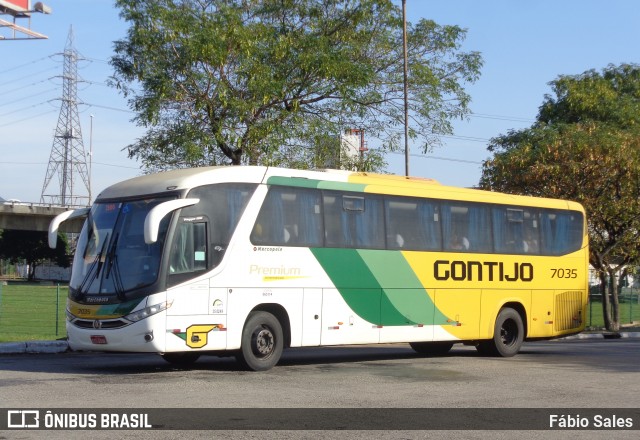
615	303
31	271
605	299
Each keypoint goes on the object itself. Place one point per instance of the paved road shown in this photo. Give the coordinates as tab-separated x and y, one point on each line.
562	374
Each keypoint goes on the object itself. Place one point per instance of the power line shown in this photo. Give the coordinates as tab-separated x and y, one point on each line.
24	98
15	80
24	87
94	163
27	118
502	118
466	138
116	166
448	159
108	108
23	108
22	65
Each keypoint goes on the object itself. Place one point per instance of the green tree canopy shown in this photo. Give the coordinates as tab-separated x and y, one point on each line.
32	247
584	146
259	82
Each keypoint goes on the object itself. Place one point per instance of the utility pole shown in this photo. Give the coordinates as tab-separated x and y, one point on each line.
406	91
68	158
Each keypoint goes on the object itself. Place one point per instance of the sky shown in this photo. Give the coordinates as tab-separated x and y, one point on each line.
525	45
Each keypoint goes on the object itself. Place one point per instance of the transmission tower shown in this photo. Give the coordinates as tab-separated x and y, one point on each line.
68	158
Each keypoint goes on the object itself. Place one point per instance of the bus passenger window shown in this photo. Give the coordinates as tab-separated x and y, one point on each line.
561	232
466	227
354	221
289	217
412	224
508	230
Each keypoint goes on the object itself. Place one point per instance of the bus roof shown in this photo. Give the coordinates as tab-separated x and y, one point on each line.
184	179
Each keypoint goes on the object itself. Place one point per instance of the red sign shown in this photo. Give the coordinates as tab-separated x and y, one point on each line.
16	5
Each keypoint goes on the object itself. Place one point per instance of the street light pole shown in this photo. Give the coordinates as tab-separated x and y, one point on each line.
406	102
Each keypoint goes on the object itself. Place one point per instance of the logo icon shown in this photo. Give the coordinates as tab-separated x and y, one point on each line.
23	419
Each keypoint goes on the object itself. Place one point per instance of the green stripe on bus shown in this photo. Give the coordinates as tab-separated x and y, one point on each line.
379	286
316	184
402	288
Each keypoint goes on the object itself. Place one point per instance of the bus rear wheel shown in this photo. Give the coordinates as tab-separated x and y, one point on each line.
431	347
508	335
262	342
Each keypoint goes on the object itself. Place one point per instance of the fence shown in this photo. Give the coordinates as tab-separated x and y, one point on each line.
44	271
12	271
32	311
629	307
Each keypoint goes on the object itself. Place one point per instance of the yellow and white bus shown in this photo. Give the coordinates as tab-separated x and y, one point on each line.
248	261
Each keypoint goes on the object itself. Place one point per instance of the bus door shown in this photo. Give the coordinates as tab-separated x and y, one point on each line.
196	317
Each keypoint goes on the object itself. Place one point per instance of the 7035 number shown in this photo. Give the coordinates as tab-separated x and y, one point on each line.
564	273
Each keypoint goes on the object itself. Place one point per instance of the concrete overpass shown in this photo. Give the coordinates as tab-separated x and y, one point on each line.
35	217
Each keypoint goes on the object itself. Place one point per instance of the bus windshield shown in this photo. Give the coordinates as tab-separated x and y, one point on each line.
111	256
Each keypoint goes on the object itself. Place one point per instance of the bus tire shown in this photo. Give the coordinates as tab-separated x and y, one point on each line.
436	348
181	358
262	342
508	335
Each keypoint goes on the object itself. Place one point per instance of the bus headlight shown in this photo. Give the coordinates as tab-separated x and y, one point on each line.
148	311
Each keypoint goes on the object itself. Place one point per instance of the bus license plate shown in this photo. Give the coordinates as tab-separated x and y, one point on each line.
98	339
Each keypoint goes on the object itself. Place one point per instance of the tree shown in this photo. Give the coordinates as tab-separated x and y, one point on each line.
33	247
258	82
584	146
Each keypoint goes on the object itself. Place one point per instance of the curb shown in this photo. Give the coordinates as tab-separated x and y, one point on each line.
34	347
604	335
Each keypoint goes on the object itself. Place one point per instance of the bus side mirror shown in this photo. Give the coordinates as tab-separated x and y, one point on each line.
157	213
61	218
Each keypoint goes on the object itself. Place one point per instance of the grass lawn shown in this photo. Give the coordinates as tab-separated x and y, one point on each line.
629	314
28	312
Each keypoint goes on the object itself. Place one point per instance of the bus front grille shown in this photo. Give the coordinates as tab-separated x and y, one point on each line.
568	310
101	324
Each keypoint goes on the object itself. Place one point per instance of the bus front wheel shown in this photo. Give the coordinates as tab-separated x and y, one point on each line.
262	342
508	335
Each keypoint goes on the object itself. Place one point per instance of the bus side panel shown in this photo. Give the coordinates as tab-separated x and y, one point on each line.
542	314
341	325
463	312
417	315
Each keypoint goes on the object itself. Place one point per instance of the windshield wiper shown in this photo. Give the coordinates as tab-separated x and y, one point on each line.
91	275
112	264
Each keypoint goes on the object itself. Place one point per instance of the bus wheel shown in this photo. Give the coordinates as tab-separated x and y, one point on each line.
431	347
262	342
185	358
508	335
